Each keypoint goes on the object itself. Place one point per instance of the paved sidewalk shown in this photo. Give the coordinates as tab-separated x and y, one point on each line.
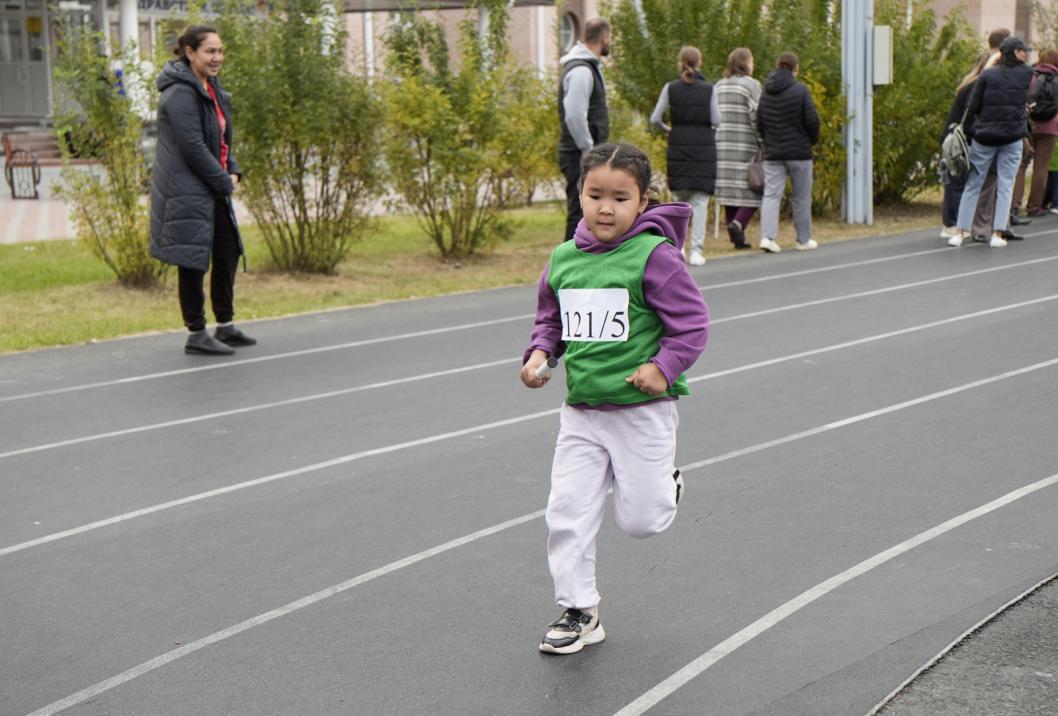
1007	668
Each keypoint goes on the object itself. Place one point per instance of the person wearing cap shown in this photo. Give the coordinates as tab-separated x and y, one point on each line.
997	120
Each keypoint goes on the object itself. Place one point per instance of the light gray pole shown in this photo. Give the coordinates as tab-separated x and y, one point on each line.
857	73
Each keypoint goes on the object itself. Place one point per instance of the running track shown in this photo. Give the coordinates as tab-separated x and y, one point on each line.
347	518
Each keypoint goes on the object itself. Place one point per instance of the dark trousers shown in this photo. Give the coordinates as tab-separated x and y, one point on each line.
952	196
569	163
221	279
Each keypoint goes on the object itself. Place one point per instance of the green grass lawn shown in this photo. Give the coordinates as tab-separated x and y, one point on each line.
56	293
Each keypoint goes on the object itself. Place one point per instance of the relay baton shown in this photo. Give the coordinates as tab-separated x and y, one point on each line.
545	368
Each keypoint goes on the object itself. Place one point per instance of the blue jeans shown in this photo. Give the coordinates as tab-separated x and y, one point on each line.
1008	159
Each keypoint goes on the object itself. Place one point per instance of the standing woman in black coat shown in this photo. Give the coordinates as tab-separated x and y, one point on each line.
691	157
789	125
194	175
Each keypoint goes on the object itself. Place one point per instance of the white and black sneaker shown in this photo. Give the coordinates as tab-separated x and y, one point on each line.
572	632
679	485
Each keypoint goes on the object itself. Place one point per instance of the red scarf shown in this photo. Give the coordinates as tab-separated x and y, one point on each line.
223	122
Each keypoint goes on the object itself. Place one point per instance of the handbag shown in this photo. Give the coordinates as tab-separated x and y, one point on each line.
755	171
955	150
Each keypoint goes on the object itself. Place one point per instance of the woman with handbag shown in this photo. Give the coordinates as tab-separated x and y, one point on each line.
736	144
789	125
954	183
691	155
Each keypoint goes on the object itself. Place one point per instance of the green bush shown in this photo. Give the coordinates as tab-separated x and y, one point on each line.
92	119
456	138
307	131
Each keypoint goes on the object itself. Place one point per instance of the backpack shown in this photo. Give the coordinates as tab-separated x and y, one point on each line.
955	150
1043	102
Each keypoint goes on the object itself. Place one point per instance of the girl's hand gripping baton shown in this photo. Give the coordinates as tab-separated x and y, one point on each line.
544	370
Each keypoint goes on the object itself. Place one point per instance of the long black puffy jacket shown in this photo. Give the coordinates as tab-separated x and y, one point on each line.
187	178
998	104
787	118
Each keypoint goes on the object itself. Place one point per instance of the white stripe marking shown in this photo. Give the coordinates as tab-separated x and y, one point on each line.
637	707
718	652
158	662
410	379
404	336
250	408
489	426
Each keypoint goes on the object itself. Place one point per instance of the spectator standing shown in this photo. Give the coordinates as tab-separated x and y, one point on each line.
691	155
738	95
998	123
194	175
789	125
955	184
1045	126
582	110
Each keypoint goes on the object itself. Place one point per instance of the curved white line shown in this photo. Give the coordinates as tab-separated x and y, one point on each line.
733	642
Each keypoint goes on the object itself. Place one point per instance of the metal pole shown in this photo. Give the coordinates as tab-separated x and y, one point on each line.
857	71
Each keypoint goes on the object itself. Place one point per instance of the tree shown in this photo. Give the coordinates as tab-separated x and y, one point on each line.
454	137
94	118
307	131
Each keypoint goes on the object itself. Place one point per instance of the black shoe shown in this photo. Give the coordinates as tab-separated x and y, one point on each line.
980	239
1011	236
233	336
574	630
201	343
738	238
1016	220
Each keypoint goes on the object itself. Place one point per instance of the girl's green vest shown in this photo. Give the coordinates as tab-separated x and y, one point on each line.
596	369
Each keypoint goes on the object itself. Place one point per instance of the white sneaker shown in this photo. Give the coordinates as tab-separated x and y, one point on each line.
574	630
770	246
949	232
1053	210
997	242
697	259
956	240
808	245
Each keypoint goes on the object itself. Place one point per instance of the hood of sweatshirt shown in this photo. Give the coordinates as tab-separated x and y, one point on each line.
1046	68
779	81
177	71
668	220
578	52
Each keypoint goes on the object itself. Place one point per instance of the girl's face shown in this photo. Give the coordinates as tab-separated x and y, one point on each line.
207	59
611	202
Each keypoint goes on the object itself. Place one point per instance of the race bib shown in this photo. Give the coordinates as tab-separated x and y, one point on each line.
594	314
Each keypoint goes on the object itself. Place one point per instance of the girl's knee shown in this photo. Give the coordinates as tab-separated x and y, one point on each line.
642	526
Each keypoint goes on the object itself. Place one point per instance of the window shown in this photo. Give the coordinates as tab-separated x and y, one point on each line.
567	31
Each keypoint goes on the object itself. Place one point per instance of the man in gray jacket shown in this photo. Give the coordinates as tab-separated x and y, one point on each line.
582	110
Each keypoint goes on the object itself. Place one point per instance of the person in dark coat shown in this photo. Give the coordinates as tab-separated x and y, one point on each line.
194	175
789	125
691	157
955	184
999	114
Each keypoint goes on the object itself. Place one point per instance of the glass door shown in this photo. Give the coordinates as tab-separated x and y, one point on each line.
24	74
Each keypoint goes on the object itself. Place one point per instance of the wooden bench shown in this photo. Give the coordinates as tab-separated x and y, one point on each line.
25	153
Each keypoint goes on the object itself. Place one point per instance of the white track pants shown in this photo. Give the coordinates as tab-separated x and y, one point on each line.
632	450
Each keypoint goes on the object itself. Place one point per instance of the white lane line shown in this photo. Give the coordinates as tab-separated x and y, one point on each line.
418	334
733	642
252	408
262	359
872	414
490	426
879	291
437	374
158	662
637	706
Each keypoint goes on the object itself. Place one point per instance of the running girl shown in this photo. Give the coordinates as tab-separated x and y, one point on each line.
621	305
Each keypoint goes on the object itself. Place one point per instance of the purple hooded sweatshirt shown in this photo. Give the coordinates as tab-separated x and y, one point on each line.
668	288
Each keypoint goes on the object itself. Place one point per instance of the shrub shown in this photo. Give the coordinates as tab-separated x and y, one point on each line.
110	212
454	137
306	130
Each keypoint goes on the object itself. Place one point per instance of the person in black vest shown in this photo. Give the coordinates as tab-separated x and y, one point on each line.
194	175
694	113
998	122
789	124
582	110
